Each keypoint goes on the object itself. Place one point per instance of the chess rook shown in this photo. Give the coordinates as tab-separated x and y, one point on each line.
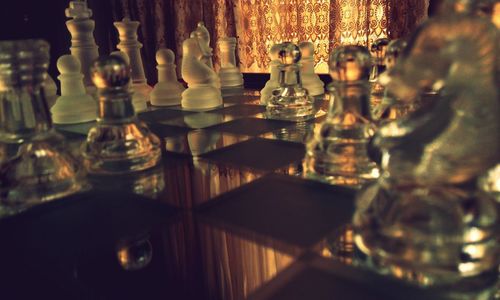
310	80
127	31
201	92
139	100
83	45
168	90
74	105
119	142
229	73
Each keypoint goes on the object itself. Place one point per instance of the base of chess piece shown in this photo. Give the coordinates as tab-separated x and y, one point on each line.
42	170
201	96
230	78
429	236
142	88
291	103
67	113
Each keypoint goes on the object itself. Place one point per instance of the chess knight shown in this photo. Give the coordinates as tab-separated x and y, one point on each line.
423	220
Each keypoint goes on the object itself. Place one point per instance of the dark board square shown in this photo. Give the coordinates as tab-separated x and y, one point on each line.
161	114
288	209
260	154
242	110
251	126
162	130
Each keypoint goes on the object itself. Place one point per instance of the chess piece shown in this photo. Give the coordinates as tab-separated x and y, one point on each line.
290	101
203	36
41	168
83	45
201	92
50	88
139	100
168	90
378	49
74	105
119	143
338	152
127	31
310	80
424	220
274	70
229	73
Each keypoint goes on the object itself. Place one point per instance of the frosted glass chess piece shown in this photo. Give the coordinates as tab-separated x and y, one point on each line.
83	44
424	220
310	80
229	73
290	101
139	100
378	49
203	36
201	92
38	167
168	90
127	32
50	88
274	70
74	105
338	154
119	142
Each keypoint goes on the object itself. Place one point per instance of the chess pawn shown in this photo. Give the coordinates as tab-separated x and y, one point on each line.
201	92
50	88
290	101
83	45
337	154
274	70
229	73
74	105
41	168
127	31
310	80
119	142
378	50
168	90
139	99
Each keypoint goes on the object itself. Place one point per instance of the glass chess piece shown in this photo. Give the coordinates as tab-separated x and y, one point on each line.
337	153
425	220
378	50
35	165
119	143
290	101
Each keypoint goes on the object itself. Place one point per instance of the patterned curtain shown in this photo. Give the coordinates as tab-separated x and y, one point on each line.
259	24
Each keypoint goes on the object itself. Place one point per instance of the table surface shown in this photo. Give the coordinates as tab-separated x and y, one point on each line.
226	215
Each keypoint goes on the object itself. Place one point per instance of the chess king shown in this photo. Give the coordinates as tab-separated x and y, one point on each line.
423	220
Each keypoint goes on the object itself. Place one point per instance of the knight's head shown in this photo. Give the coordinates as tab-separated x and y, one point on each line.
191	47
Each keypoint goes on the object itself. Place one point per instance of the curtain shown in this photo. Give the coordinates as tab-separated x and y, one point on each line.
258	24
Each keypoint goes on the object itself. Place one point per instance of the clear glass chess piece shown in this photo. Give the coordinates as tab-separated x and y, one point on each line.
35	165
338	152
378	51
290	101
119	143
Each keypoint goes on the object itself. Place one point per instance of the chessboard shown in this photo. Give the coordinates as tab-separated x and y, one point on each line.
226	215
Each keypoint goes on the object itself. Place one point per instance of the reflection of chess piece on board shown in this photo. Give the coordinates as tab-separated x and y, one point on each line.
83	45
201	93
310	80
273	82
50	88
139	100
168	90
229	73
74	105
129	44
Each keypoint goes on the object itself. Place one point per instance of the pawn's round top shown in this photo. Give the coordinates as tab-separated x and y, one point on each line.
110	72
350	64
68	63
165	56
123	55
306	49
289	53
